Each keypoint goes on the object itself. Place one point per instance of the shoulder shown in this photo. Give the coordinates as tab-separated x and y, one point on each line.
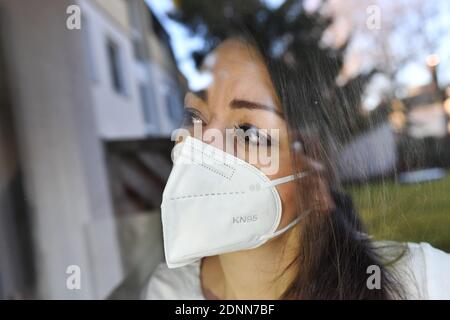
424	271
175	284
435	266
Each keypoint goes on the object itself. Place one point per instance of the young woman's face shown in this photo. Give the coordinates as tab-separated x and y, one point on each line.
241	96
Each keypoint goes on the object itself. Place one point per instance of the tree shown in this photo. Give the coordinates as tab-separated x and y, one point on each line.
409	31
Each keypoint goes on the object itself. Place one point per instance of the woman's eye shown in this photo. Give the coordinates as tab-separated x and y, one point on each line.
252	135
191	118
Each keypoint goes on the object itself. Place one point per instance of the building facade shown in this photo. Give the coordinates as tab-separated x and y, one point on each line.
89	114
134	80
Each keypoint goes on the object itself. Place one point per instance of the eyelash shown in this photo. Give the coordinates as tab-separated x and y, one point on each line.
251	134
191	116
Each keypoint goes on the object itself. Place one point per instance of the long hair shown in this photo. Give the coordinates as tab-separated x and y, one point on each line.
335	251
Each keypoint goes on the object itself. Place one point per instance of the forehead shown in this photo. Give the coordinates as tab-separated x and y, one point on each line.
237	66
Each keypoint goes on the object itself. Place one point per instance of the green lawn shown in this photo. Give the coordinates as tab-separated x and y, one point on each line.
415	212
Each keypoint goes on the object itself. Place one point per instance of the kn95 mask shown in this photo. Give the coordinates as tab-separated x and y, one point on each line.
215	203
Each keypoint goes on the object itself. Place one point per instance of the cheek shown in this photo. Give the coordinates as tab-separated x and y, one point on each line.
287	191
287	195
289	199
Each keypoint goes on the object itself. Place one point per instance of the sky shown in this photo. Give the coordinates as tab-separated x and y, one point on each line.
184	43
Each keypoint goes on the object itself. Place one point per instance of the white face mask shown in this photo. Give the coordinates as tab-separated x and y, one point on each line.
216	203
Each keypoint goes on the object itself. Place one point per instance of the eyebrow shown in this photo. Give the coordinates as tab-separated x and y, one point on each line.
240	103
245	104
202	94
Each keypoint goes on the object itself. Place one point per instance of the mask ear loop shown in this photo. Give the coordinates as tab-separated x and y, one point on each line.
282	180
286	179
289	226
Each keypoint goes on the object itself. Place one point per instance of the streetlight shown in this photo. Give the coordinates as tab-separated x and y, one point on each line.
432	62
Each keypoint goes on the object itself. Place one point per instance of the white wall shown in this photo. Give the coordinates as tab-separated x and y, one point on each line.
61	156
118	116
121	116
370	155
427	121
163	84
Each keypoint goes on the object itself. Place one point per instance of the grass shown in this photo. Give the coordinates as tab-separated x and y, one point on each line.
414	213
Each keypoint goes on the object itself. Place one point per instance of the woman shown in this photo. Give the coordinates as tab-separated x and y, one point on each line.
310	245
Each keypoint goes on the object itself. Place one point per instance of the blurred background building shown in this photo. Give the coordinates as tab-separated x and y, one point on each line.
86	120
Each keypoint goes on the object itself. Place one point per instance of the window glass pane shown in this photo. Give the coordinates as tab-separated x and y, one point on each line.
115	67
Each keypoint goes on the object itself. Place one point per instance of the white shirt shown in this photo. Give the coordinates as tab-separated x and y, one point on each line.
424	272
